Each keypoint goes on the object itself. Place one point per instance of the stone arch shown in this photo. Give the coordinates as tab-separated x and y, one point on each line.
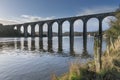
92	30
55	35
65	33
78	29
18	30
45	29
66	26
22	29
37	30
93	26
15	28
45	36
55	29
29	30
106	22
9	30
25	30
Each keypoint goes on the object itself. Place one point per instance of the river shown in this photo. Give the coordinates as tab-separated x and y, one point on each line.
22	59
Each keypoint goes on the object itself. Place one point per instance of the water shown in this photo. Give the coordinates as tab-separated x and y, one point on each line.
22	59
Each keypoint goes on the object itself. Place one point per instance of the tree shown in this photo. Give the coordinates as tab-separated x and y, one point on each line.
114	30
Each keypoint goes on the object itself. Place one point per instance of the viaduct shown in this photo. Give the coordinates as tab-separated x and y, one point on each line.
10	31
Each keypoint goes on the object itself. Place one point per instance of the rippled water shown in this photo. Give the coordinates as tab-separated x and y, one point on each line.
22	59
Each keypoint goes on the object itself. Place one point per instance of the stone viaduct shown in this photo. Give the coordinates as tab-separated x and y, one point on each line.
10	31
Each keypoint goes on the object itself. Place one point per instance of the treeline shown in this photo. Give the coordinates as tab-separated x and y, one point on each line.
75	33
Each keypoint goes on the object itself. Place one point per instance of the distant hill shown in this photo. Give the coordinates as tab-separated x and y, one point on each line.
67	33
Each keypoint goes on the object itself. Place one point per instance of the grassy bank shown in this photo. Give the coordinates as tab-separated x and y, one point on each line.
110	67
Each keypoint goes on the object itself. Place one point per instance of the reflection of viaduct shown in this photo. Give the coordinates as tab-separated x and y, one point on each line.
17	33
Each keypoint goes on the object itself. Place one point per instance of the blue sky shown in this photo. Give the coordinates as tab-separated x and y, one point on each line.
47	8
29	10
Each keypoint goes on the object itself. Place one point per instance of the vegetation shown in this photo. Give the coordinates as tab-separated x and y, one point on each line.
114	31
110	67
103	67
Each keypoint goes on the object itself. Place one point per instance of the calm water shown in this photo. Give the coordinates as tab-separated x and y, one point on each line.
21	59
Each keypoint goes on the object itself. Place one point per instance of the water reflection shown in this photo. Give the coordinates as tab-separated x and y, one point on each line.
7	45
40	44
17	43
35	44
85	52
25	43
39	66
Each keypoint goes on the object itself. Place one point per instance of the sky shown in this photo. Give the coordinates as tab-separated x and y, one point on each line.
21	11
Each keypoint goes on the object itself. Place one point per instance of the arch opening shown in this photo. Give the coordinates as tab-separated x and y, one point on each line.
15	28
92	30
106	25
78	32
106	22
55	35
92	26
37	30
65	33
78	27
22	29
29	30
45	36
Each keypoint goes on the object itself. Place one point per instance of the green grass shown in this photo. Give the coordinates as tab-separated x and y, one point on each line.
110	67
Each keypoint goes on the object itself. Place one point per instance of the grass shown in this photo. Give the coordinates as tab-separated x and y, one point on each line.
110	67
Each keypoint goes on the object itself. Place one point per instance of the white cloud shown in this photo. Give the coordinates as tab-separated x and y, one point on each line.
29	18
23	19
96	10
